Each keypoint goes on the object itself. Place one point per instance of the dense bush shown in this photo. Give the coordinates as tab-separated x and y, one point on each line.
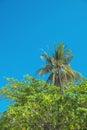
40	106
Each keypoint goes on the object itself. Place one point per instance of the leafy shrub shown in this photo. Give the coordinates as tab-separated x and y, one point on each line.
40	106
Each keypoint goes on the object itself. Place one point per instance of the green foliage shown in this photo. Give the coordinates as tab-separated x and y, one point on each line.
58	67
40	106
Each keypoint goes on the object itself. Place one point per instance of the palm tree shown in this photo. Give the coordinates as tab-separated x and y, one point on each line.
58	67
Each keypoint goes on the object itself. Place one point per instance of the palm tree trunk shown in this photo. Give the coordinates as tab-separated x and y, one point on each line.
58	82
61	86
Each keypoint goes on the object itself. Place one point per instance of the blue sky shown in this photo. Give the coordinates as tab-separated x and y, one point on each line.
26	26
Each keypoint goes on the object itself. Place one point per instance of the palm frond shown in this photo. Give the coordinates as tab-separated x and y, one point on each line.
59	52
44	70
77	76
50	78
68	58
72	75
46	57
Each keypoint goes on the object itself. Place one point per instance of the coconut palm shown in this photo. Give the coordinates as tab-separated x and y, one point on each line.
58	67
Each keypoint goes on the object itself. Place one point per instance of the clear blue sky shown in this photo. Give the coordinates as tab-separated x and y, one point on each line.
26	26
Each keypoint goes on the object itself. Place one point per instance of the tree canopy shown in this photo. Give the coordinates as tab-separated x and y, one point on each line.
36	105
58	67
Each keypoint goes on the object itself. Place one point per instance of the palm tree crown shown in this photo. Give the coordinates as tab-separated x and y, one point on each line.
58	67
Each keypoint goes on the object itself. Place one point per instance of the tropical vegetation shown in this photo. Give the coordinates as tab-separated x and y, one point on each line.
60	103
36	105
58	67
